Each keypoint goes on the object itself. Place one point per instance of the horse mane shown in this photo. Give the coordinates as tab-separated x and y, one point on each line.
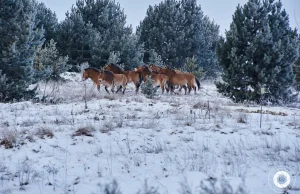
115	66
107	72
92	68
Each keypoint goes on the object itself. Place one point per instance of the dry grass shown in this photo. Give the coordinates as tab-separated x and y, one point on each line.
242	118
84	131
8	139
44	132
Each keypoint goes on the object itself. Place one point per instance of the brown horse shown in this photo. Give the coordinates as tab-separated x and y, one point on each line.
181	79
131	76
118	80
160	80
107	77
92	73
155	69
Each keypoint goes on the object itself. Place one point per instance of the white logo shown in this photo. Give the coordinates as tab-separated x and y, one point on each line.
282	179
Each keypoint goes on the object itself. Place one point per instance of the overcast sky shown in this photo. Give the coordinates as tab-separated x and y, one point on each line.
218	10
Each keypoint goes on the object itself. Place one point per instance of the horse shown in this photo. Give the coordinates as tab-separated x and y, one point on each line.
155	69
93	74
118	80
181	79
107	77
131	76
160	80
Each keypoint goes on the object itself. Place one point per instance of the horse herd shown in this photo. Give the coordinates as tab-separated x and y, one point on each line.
165	78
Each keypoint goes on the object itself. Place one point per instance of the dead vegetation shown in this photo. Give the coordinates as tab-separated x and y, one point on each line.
44	132
84	131
263	112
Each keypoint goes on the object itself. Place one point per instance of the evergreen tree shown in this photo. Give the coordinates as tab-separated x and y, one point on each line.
297	68
19	41
148	89
192	67
133	53
155	58
177	30
108	20
47	19
259	51
74	38
114	57
95	28
48	64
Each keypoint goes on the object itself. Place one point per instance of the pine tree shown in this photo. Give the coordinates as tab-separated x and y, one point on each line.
259	51
192	67
155	58
48	64
19	41
95	28
47	19
297	73
297	69
132	53
108	20
177	30
114	57
74	38
148	89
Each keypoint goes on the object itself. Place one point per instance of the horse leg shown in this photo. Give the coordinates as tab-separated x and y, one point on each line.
124	89
118	89
106	89
184	89
113	89
190	88
162	88
98	86
137	86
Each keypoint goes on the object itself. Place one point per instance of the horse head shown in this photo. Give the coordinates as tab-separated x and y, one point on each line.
85	75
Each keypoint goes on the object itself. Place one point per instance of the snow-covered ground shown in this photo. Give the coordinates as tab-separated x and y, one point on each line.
173	142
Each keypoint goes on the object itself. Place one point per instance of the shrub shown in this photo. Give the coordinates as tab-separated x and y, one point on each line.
148	89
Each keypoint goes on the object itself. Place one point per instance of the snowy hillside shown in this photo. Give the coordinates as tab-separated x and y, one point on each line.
173	142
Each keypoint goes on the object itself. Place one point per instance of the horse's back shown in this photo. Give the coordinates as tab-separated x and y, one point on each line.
108	76
113	68
120	77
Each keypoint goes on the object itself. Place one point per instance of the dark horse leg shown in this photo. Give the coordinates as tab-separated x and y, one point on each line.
106	89
119	89
190	88
137	86
124	89
184	87
98	86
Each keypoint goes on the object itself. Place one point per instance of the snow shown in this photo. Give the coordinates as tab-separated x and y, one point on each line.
169	141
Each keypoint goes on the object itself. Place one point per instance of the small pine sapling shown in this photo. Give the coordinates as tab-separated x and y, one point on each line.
148	89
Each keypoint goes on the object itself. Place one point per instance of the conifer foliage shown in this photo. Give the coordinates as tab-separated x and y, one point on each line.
48	64
179	29
46	19
148	89
19	41
297	69
259	51
95	28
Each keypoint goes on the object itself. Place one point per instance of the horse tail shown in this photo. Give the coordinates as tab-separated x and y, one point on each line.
198	83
